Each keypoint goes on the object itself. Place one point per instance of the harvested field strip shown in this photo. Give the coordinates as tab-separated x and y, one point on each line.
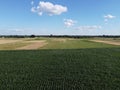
107	42
13	46
33	45
8	41
50	43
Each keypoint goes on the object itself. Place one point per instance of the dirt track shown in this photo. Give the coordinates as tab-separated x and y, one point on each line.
107	42
33	45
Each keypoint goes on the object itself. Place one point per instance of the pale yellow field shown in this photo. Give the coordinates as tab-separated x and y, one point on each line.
107	41
33	45
50	43
21	44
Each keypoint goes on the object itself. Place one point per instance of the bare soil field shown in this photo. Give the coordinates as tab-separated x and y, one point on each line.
33	45
107	42
4	41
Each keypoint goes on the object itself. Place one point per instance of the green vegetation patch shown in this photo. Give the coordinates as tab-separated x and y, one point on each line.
74	44
73	69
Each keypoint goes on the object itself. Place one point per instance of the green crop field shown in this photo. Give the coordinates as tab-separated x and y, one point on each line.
74	44
70	64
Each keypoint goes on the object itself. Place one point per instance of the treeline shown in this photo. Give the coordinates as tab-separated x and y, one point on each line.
60	36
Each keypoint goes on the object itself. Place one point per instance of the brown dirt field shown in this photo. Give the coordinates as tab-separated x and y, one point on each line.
33	45
107	42
4	41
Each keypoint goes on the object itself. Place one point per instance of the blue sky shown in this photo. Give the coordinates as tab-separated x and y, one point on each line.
60	17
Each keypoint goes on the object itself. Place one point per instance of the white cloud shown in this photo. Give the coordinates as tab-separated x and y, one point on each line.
33	9
69	22
109	16
32	2
94	27
49	8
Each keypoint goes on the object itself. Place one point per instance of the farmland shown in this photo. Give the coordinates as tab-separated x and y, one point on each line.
55	43
59	64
